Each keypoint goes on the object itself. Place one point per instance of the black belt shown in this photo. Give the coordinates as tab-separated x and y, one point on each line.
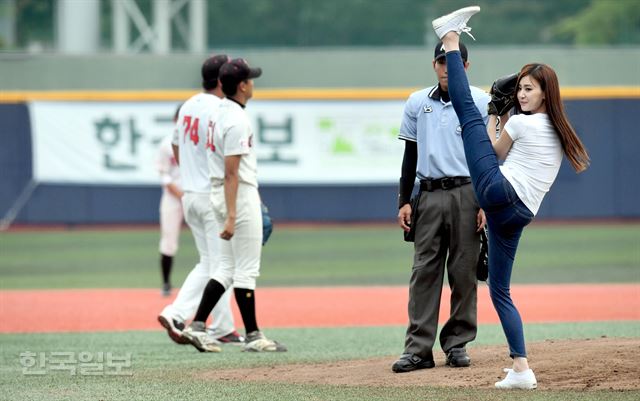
445	183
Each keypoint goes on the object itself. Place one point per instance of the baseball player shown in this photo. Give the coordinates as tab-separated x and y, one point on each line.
236	207
170	210
189	147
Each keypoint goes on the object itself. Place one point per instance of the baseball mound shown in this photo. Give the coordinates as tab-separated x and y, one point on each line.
591	364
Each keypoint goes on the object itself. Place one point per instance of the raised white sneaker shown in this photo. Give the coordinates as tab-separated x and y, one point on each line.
518	380
197	336
257	342
456	21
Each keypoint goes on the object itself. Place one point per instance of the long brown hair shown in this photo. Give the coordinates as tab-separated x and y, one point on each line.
548	81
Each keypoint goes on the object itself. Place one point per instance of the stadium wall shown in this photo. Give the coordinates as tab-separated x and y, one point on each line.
314	67
608	189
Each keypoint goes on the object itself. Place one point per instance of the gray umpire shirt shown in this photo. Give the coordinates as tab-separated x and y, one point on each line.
434	125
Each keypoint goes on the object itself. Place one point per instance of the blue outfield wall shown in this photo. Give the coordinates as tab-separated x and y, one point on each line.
15	153
608	189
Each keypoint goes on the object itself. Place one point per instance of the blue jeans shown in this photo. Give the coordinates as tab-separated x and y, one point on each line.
506	214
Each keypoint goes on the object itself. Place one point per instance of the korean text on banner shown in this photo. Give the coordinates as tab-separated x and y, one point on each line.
310	142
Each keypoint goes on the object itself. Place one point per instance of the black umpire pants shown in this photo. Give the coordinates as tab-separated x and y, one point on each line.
445	236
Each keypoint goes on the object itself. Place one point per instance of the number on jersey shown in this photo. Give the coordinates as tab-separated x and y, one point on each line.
210	129
191	129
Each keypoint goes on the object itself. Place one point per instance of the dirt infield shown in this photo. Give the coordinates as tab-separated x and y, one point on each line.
83	310
594	364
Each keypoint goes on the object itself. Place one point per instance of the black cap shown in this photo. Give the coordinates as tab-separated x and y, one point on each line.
439	51
211	68
236	71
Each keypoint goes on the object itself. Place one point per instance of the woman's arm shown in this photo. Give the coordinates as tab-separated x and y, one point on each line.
503	120
501	143
492	130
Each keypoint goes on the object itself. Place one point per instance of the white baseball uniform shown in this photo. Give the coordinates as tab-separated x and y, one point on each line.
231	134
191	138
170	205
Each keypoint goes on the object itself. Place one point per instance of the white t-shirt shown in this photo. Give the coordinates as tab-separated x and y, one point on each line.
191	137
534	159
232	135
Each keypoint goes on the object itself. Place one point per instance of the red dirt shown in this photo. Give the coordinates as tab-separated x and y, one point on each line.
86	310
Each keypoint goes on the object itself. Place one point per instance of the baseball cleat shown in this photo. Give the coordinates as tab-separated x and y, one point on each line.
196	335
233	338
257	342
518	380
456	22
173	326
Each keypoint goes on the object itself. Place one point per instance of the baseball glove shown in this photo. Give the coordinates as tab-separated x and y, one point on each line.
482	272
267	224
503	94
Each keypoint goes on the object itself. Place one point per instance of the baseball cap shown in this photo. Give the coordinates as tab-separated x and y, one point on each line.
211	68
236	71
439	51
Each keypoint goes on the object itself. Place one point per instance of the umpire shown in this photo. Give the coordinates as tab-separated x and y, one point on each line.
446	223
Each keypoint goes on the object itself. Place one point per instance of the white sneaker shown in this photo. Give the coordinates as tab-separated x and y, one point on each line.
456	21
196	335
257	342
518	380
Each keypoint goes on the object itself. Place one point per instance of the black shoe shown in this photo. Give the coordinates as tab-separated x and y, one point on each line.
411	362
166	289
458	358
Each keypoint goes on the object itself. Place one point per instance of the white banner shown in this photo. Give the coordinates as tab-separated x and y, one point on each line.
298	142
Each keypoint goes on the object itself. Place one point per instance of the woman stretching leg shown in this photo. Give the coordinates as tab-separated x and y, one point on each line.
510	194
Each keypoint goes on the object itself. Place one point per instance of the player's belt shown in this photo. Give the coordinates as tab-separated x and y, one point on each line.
445	183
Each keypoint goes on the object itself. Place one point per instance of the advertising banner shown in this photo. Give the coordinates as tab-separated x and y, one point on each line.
297	142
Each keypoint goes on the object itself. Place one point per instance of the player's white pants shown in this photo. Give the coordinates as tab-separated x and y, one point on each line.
200	218
170	223
239	258
186	304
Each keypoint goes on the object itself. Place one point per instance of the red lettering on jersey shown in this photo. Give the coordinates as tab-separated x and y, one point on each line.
192	129
186	122
210	144
193	132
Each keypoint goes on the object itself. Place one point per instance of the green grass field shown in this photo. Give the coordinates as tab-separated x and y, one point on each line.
319	255
162	371
295	256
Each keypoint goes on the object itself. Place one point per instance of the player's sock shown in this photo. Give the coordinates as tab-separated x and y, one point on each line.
212	293
166	262
246	300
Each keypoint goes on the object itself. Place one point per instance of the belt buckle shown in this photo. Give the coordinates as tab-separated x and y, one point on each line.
447	183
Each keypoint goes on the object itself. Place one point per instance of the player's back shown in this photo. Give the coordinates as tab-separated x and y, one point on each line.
191	138
232	135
